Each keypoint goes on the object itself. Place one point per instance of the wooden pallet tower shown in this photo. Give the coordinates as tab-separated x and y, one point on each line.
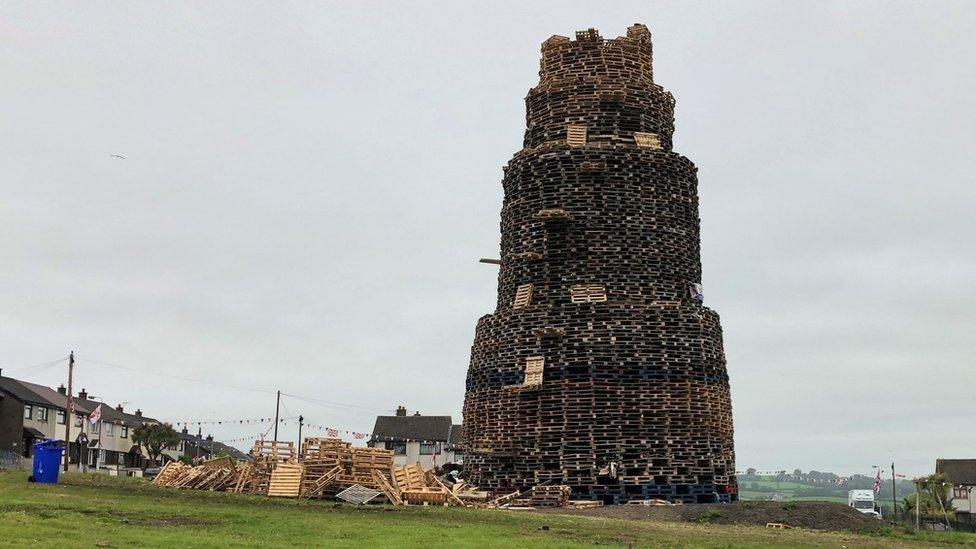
600	368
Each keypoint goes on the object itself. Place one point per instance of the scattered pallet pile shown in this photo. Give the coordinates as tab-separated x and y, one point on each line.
413	486
216	474
331	468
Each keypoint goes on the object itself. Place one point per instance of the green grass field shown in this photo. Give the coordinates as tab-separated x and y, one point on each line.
787	491
101	511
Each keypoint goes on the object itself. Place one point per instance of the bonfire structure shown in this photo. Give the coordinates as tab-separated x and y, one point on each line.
600	369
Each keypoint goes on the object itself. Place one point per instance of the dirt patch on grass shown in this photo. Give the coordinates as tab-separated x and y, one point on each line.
175	521
819	515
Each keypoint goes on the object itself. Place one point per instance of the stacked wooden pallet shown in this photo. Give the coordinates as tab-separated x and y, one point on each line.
549	496
600	369
268	454
332	465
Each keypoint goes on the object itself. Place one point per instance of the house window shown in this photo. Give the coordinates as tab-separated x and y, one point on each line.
534	365
124	432
109	429
429	449
28	411
79	420
587	293
62	417
959	491
42	414
647	140
523	296
400	448
94	427
576	136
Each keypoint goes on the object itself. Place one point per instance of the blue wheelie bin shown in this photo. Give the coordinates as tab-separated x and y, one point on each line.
47	461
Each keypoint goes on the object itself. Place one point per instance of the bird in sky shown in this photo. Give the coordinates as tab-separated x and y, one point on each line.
117	156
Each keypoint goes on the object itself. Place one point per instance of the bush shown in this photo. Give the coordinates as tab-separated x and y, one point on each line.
709	515
791	506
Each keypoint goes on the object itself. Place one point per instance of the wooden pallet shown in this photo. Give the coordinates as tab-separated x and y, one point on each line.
286	480
425	496
317	486
276	451
391	492
409	477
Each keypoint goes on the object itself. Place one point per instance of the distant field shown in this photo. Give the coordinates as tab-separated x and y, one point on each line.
789	491
101	511
747	495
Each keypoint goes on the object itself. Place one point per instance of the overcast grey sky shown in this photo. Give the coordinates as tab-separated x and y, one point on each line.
308	186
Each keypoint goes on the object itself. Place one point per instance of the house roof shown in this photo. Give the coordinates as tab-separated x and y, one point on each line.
231	451
959	471
455	435
415	427
19	391
48	395
215	447
40	394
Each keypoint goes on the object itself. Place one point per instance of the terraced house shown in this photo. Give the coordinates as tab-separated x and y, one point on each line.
30	412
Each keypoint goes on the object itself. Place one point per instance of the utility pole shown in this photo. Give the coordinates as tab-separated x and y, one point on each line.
918	522
301	420
277	408
69	416
894	498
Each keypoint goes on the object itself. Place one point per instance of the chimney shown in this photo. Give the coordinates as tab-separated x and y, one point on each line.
62	390
417	413
118	408
401	411
83	394
138	413
1	372
184	431
209	438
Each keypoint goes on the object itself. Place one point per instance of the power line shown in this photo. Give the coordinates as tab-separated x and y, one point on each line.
43	366
327	403
181	378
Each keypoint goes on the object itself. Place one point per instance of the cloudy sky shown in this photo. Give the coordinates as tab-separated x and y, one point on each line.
307	188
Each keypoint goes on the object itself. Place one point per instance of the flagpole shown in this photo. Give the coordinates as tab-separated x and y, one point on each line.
894	498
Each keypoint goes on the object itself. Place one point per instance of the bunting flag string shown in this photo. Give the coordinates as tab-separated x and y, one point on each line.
240	439
250	421
332	432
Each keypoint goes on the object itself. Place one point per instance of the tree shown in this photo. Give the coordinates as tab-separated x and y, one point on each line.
155	437
935	499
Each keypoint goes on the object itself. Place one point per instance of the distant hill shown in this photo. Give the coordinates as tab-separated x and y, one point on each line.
814	486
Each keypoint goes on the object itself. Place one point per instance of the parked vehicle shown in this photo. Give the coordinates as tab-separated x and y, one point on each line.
863	501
